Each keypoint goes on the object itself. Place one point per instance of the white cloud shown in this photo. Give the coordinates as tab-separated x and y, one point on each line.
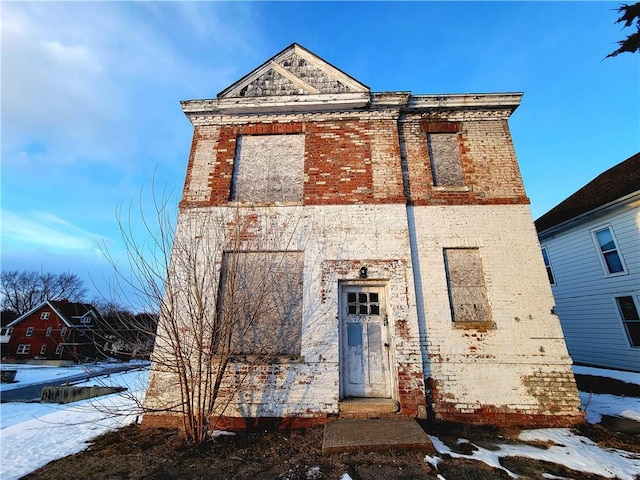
96	82
44	230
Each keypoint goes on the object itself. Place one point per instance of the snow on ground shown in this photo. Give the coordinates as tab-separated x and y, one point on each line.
598	404
573	451
32	374
568	449
34	434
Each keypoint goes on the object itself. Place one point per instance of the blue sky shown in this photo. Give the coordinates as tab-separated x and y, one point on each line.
91	91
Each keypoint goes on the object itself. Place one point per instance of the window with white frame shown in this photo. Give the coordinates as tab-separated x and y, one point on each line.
45	315
43	349
547	265
48	333
467	289
628	308
24	348
63	332
268	168
29	331
609	252
59	348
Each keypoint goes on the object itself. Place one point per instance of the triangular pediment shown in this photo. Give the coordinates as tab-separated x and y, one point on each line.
293	71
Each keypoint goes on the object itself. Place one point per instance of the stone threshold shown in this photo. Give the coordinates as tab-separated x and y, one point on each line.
368	406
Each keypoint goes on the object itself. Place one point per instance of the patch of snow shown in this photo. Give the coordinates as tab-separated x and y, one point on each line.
345	476
582	454
490	457
35	434
433	461
33	374
628	377
573	451
219	433
595	405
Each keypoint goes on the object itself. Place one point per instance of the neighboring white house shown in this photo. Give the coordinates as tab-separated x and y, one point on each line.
591	248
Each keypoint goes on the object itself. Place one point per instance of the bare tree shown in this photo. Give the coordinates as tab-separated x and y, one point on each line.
22	290
227	283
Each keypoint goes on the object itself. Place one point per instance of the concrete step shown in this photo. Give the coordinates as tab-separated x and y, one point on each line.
370	435
371	407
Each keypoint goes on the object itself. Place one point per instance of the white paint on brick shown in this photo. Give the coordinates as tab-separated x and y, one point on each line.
337	240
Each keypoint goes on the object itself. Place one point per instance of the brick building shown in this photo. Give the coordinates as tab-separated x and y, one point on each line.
414	282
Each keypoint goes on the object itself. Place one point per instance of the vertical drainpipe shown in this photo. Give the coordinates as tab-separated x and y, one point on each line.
415	264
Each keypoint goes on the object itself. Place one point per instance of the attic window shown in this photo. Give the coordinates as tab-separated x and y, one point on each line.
45	315
268	169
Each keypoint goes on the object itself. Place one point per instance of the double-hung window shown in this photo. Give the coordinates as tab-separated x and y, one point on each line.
23	349
547	266
608	250
29	332
629	312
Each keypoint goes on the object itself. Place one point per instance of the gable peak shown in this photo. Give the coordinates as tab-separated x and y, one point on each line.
294	71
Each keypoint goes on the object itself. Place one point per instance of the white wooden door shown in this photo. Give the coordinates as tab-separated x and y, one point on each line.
365	344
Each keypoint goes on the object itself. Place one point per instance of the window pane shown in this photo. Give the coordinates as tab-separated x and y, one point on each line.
605	240
545	257
614	265
633	328
364	310
628	308
373	297
351	297
352	309
552	280
375	310
362	297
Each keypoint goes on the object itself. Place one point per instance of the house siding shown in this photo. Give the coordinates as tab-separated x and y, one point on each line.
585	296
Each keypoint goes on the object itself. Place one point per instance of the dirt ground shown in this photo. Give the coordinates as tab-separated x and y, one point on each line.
156	454
134	453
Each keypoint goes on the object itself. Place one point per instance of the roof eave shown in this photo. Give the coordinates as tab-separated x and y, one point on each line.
583	217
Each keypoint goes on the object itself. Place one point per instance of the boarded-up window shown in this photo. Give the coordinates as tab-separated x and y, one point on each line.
268	168
262	301
446	163
467	289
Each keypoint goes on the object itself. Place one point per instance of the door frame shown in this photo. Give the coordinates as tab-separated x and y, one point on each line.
390	374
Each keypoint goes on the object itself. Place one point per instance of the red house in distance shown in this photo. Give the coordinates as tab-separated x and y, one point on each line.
54	330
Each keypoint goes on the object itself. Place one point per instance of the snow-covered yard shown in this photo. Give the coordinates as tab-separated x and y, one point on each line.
33	434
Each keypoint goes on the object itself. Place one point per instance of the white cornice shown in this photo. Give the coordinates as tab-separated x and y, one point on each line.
508	101
326	102
277	104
